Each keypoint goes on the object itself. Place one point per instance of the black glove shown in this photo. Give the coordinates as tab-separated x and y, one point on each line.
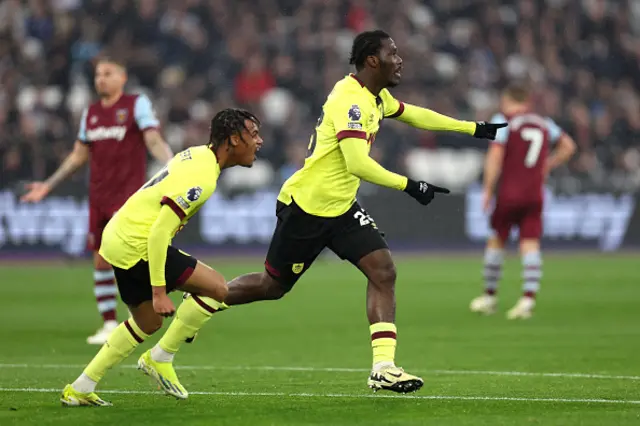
423	191
486	130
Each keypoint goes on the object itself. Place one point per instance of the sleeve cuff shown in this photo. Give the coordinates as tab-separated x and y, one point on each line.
154	127
357	134
166	201
399	112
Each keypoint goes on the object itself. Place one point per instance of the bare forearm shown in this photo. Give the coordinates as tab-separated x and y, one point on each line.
158	148
68	166
493	167
491	175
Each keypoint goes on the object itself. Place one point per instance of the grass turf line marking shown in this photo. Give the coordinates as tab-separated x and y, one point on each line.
353	396
351	370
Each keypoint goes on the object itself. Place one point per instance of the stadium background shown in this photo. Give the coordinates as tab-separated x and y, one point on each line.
280	58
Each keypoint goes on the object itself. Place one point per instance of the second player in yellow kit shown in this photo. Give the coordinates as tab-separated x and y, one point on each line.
183	185
137	243
317	206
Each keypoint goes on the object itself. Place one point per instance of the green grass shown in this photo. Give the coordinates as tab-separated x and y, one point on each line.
587	322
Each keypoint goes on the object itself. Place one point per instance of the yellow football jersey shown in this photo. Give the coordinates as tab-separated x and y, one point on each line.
324	187
184	184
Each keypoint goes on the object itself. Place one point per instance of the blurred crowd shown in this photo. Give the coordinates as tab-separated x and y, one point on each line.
280	58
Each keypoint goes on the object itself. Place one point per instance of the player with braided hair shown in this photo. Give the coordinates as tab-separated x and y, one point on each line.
227	123
137	243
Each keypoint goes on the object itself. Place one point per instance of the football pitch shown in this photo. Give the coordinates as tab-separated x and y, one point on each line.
304	360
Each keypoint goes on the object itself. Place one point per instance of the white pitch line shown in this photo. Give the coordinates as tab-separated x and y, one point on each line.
351	370
355	396
525	373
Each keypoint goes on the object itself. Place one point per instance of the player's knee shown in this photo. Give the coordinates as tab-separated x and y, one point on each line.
217	289
529	245
99	263
384	275
153	326
222	291
495	243
149	324
207	282
273	289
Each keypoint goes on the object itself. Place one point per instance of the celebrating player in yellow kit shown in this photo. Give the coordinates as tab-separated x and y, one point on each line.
137	243
317	206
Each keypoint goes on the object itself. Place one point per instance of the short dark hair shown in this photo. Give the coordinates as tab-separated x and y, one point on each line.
519	92
229	122
366	44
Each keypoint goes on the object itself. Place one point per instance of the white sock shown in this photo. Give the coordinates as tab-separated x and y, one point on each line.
160	355
493	259
380	365
84	384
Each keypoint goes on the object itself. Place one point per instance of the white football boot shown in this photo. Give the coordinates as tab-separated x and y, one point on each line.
394	379
103	333
523	309
485	304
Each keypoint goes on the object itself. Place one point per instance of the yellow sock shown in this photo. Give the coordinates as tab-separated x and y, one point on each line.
383	342
124	339
191	315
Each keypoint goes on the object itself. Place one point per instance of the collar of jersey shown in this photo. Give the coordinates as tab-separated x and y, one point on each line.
357	80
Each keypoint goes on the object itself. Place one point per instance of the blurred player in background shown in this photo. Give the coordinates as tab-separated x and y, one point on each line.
137	243
317	206
516	167
114	132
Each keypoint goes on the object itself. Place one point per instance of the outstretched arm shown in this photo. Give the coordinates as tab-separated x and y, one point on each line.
426	119
75	159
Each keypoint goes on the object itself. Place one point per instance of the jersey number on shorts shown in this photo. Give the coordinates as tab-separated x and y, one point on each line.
364	218
163	173
535	137
314	137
